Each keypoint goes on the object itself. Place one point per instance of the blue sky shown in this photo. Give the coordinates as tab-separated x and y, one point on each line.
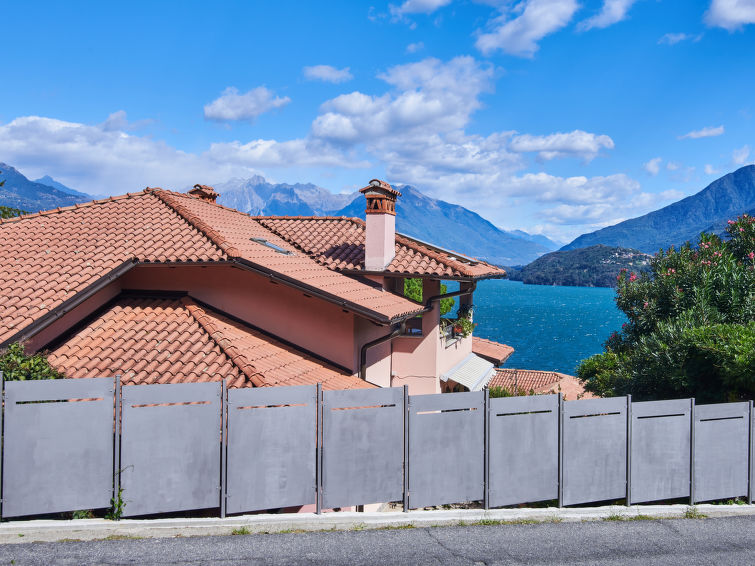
551	116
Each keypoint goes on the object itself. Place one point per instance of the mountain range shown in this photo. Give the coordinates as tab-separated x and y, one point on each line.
32	196
707	211
418	215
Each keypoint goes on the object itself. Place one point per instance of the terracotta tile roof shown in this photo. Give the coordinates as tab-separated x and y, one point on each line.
172	340
236	232
52	256
338	243
492	351
528	380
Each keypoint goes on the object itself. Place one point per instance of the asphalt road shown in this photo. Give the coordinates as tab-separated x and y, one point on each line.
725	541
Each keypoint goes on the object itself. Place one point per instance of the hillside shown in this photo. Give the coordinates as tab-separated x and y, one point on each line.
682	221
20	192
420	216
594	266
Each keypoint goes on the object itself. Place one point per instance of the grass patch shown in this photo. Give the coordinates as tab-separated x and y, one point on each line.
693	513
241	531
121	537
69	540
617	517
395	527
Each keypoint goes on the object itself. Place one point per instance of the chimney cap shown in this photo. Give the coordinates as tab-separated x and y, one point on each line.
376	185
204	192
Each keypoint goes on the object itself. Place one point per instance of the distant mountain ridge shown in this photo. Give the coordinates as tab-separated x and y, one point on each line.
33	196
722	200
420	216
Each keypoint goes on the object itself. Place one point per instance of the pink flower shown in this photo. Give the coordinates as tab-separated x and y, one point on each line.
645	305
731	222
751	255
632	277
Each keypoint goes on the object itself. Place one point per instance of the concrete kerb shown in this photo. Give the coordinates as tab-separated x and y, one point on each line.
97	529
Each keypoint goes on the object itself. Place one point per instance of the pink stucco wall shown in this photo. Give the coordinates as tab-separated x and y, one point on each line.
308	322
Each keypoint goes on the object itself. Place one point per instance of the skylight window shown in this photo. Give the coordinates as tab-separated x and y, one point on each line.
272	246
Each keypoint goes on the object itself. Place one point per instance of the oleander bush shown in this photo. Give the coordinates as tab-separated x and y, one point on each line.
691	324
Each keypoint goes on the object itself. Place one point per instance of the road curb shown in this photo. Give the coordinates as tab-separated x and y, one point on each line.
97	529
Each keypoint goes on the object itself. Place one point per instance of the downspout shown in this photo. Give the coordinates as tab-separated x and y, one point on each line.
363	352
400	329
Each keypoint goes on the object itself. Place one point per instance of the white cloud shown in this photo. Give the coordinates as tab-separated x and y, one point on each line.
418	7
577	143
429	97
739	156
612	12
414	47
673	166
710	170
708	132
101	160
730	14
653	166
674	38
328	74
232	106
534	19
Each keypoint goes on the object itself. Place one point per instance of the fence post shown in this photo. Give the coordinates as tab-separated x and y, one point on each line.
318	450
560	450
117	439
223	446
406	448
2	437
629	450
692	452
752	456
486	450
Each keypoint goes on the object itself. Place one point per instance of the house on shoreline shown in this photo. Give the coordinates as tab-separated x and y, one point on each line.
167	287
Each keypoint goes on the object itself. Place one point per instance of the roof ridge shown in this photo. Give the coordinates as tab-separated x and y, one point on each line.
75	206
198	223
226	346
401	239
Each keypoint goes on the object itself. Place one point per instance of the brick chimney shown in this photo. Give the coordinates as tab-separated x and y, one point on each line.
380	244
204	192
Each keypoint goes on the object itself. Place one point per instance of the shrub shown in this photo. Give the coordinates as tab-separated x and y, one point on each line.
16	365
691	324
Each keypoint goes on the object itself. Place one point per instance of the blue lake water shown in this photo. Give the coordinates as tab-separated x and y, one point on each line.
551	328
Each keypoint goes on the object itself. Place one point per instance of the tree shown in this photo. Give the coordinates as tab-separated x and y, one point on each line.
413	291
691	324
16	365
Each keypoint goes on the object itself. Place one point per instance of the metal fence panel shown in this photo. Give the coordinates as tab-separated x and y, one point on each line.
594	450
271	448
446	448
523	449
660	457
363	447
58	446
722	437
170	447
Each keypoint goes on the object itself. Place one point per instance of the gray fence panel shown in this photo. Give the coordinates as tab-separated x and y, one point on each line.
660	460
722	438
363	446
594	450
170	447
271	448
58	454
523	448
446	448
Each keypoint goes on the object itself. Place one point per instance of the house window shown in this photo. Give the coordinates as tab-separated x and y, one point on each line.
272	246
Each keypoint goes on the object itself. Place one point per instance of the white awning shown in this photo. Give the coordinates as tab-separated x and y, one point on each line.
472	372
